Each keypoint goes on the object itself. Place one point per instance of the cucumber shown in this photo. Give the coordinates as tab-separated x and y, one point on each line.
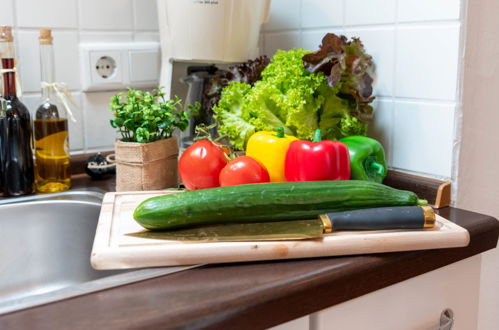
266	202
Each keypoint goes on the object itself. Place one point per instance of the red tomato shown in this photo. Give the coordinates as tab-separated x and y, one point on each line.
242	170
200	165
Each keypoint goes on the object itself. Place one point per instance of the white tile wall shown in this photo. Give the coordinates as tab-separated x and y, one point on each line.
281	40
428	10
380	44
67	58
47	13
285	15
76	141
362	12
425	132
415	45
29	58
427	60
311	39
146	15
146	36
31	101
381	128
319	13
7	13
106	15
75	21
106	36
98	132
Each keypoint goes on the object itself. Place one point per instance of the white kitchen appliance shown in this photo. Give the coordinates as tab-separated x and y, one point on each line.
208	31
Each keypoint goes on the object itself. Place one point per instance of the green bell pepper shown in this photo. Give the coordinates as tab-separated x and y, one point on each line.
367	158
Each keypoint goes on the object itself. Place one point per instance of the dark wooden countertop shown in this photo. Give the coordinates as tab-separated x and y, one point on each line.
249	295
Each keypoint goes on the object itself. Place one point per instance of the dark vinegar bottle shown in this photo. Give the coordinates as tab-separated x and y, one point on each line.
16	155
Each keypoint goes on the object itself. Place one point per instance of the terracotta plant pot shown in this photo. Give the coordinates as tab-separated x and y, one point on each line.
146	166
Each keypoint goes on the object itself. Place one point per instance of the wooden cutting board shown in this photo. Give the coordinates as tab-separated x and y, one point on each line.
113	249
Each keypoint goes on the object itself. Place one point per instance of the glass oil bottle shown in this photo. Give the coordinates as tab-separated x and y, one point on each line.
50	128
16	156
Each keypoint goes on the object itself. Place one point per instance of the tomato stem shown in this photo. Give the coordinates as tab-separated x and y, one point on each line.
203	133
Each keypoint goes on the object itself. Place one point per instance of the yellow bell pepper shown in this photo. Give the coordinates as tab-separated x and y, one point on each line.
270	148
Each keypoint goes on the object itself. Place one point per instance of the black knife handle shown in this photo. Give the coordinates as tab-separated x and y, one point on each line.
397	217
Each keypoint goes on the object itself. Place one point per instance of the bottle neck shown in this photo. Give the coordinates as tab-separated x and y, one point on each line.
9	78
47	68
8	63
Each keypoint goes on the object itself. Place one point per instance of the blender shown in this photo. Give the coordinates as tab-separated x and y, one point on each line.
195	34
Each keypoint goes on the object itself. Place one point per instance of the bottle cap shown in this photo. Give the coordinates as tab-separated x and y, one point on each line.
6	34
45	37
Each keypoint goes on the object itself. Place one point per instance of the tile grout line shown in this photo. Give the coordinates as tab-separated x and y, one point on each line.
134	27
372	26
394	81
80	91
415	100
300	23
344	16
458	110
79	29
83	126
17	49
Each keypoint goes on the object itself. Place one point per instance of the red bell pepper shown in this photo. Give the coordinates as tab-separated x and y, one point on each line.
317	160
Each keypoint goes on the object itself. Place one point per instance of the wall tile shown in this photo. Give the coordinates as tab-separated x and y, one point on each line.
31	101
47	13
362	12
427	62
29	57
422	137
281	40
98	132
321	13
76	128
89	37
312	39
145	15
7	13
261	43
106	15
284	14
380	128
379	43
67	61
146	36
428	10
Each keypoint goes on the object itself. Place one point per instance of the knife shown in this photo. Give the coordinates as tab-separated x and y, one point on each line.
383	218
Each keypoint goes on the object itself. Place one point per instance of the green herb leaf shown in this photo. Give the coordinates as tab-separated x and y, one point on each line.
147	117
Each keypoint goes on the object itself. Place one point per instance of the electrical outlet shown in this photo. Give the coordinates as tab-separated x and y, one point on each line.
115	66
106	67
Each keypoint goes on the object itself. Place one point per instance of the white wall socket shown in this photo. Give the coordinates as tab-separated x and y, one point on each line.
114	66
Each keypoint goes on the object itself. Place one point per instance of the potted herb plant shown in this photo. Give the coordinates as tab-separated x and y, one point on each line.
147	153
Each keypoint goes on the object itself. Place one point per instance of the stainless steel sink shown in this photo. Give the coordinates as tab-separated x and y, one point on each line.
45	244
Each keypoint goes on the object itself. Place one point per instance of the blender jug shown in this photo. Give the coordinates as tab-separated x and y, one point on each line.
197	79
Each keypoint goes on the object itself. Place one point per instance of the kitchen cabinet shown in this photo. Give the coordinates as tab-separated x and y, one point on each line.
412	304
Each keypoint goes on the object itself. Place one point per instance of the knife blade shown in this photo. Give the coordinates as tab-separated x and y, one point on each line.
399	217
255	231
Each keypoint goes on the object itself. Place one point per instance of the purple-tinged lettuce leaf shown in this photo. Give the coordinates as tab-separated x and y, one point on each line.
348	68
